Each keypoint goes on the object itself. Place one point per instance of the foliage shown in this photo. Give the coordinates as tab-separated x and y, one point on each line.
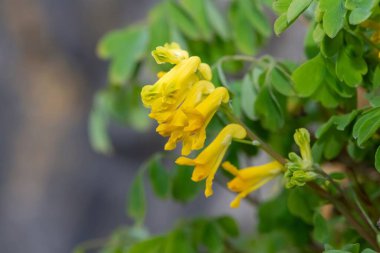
330	102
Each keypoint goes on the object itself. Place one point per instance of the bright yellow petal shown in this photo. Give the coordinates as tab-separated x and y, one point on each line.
236	202
169	53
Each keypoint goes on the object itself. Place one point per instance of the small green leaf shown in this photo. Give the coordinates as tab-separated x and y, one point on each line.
159	177
353	248
151	245
197	10
309	76
212	238
98	134
330	46
342	121
282	83
281	6
366	125
333	17
377	159
124	48
321	231
281	24
228	225
248	97
216	20
376	77
368	251
158	27
136	204
296	8
243	34
256	17
178	242
349	67
360	10
301	203
183	189
269	107
181	20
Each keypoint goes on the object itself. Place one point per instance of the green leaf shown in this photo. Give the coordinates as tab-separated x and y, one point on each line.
178	242
309	76
216	20
125	49
368	251
212	238
330	46
296	8
228	225
377	159
183	189
248	97
350	67
243	34
349	248
366	126
281	24
281	6
342	121
333	17
136	204
360	10
301	203
152	245
98	134
321	231
159	177
281	83
353	248
269	108
311	47
158	27
197	10
255	14
184	22
376	77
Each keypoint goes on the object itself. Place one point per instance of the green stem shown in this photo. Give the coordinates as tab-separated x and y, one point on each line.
263	145
347	205
252	143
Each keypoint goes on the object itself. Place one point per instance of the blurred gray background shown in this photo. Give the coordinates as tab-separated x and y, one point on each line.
55	192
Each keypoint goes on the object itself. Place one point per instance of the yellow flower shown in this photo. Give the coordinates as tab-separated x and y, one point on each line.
250	179
171	89
175	127
201	115
169	53
207	162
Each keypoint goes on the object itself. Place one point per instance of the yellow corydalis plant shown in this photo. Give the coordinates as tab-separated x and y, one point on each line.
183	101
250	179
208	161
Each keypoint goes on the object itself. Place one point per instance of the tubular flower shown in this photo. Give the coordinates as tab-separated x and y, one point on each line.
250	179
175	128
169	53
201	115
171	89
207	162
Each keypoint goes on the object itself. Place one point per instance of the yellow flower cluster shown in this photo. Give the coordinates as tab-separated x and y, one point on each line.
183	102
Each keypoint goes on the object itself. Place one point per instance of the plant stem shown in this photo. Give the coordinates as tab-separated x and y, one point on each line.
347	205
268	149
